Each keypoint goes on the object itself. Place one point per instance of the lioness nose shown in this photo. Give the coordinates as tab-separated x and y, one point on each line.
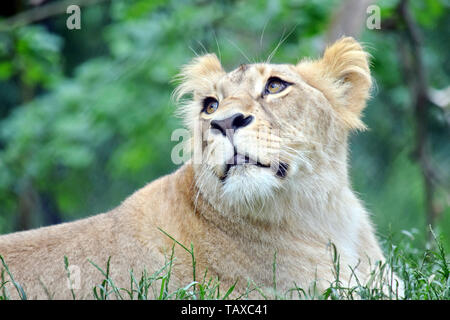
232	123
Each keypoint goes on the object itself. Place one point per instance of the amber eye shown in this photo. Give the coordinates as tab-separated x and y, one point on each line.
275	85
210	105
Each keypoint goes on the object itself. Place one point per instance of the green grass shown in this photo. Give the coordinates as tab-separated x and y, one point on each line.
425	274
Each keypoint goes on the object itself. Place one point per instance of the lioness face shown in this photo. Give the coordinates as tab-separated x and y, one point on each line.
259	128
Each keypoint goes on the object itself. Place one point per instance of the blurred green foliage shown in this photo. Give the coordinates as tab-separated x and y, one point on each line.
86	115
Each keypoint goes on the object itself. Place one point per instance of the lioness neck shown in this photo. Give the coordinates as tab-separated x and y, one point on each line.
321	202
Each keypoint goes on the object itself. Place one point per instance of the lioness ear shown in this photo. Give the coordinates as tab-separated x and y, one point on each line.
343	76
198	74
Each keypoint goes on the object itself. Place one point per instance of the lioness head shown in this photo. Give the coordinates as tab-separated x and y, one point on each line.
264	131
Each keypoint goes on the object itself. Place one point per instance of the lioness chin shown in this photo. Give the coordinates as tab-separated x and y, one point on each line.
267	186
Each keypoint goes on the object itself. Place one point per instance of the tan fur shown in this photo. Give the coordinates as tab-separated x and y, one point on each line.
239	226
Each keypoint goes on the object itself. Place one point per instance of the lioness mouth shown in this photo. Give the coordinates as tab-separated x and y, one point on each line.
239	159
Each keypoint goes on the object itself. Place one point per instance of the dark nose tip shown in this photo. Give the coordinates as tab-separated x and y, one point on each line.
232	123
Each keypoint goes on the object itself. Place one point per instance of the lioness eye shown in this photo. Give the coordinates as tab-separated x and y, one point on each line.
210	105
275	85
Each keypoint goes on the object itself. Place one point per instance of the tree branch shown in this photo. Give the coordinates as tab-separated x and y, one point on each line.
419	92
42	12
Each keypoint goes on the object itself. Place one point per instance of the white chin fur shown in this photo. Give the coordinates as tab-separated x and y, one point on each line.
249	186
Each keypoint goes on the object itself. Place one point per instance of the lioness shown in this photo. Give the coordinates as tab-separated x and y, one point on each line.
263	199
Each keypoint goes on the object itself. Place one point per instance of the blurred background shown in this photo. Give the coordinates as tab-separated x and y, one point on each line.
86	115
